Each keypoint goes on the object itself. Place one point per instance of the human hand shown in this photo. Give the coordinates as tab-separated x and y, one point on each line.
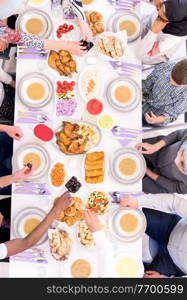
24	173
76	48
86	32
129	202
14	132
151	174
158	25
62	202
151	118
3	45
1	219
92	220
148	148
13	84
152	274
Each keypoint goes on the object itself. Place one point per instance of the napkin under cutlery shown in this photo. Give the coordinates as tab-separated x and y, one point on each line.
30	53
31	188
126	69
32	117
117	196
126	135
33	255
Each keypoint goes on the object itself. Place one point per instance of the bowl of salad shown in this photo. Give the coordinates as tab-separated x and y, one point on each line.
98	202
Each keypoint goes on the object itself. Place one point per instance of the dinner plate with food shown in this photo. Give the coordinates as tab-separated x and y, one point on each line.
90	83
57	175
34	156
111	46
36	22
66	101
127	225
77	137
127	23
27	220
98	202
128	265
123	94
81	266
67	32
94	168
96	22
35	90
127	165
62	63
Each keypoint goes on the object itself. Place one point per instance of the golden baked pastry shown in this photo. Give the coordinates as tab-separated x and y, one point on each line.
94	167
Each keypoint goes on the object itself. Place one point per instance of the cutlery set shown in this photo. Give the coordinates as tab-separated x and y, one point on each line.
126	135
126	69
34	255
33	117
31	188
30	53
117	196
124	4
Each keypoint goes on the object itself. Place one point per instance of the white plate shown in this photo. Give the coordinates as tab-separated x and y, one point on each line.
113	24
29	148
135	94
29	79
38	14
22	216
88	73
114	227
72	36
123	40
130	153
140	266
108	196
96	185
78	122
65	177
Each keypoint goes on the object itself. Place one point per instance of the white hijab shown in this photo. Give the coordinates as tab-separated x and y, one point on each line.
9	7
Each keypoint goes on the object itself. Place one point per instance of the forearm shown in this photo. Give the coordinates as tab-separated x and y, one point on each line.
3	128
19	245
6	180
50	44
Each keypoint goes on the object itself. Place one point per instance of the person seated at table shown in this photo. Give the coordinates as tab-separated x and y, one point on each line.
165	93
12	247
8	35
163	31
166	158
7	97
166	216
7	133
104	250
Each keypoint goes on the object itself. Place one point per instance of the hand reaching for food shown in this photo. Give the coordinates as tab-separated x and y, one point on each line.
62	203
129	202
92	221
76	48
23	174
86	32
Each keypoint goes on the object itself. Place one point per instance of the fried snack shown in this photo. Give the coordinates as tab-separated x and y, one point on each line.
94	19
57	175
76	139
77	202
62	62
70	221
60	245
61	216
79	216
110	46
94	167
70	211
85	236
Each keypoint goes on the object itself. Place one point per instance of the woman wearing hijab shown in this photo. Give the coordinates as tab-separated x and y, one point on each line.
163	31
166	158
7	35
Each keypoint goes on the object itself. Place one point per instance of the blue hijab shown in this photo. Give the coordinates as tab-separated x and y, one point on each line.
9	7
176	13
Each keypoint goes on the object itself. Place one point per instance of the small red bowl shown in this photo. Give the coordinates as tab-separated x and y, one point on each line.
94	107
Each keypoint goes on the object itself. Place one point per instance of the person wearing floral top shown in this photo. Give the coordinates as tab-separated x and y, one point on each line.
8	35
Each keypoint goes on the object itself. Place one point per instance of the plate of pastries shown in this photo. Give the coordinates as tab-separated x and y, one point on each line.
62	63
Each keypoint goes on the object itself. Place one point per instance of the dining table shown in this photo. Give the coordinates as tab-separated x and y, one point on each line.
109	144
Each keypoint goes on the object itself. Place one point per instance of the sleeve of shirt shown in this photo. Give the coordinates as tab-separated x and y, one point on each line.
168	203
3	251
172	113
5	77
77	8
105	254
175	136
172	186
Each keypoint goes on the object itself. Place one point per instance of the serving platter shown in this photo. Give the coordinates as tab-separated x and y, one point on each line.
22	216
33	13
35	78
